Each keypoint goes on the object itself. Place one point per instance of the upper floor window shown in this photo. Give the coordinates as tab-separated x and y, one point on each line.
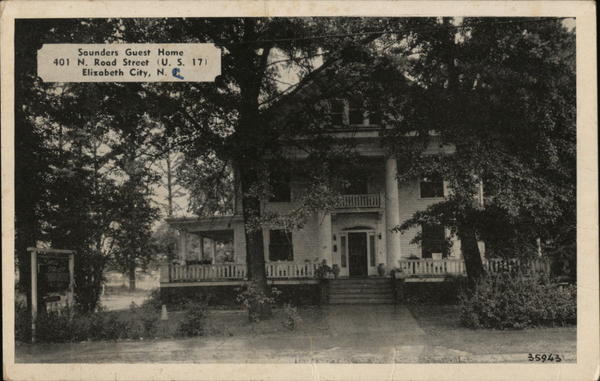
280	245
352	112
433	240
356	112
356	185
432	186
338	112
280	186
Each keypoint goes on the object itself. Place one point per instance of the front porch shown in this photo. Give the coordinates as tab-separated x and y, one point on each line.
414	270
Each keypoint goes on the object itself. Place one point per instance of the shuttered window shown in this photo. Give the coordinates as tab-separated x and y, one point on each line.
432	186
433	240
280	245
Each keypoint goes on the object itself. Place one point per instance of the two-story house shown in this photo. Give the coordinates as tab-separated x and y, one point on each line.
356	236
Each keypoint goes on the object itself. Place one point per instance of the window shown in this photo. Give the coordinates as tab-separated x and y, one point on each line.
338	112
356	185
432	186
356	112
343	250
433	240
374	116
280	186
372	249
280	245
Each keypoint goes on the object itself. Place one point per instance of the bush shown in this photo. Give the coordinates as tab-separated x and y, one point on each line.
69	325
193	320
54	326
292	318
153	301
22	322
509	300
251	297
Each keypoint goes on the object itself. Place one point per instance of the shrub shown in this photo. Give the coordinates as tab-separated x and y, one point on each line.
22	322
193	320
291	317
153	301
54	326
512	300
143	321
250	296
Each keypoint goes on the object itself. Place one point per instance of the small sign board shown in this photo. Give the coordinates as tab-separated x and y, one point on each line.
52	280
199	62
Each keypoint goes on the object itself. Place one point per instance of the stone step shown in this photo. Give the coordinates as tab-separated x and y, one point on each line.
359	280
361	295
352	291
362	301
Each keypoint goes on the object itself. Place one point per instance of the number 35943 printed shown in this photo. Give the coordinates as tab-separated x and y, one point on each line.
544	357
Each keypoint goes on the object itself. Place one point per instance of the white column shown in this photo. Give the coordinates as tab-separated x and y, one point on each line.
182	245
392	212
34	292
70	295
324	221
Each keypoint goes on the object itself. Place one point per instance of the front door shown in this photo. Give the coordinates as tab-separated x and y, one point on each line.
357	254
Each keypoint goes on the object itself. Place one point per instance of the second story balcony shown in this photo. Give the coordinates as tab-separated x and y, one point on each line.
369	200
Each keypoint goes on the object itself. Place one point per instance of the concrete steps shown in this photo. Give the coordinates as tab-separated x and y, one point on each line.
360	291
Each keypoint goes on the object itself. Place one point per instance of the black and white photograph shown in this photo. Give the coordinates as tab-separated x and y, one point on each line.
312	189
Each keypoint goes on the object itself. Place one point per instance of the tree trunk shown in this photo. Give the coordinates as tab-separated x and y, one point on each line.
255	257
470	252
132	278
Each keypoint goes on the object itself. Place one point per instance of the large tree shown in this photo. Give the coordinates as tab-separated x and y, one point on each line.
501	92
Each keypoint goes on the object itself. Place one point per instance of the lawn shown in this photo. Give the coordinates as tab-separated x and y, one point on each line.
442	327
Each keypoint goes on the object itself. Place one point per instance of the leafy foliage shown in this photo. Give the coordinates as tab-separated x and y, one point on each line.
507	300
193	319
504	95
252	297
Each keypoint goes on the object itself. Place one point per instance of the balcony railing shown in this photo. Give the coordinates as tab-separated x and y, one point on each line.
359	201
416	268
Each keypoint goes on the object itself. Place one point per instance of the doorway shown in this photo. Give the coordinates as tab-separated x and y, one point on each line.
357	254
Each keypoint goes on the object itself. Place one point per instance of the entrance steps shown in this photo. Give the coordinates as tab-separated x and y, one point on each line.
361	291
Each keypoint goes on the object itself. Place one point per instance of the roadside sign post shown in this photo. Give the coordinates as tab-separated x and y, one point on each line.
51	279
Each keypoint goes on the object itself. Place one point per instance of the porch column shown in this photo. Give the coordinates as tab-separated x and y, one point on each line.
392	212
182	247
325	237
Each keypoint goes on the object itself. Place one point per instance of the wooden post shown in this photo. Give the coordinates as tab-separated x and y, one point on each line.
34	293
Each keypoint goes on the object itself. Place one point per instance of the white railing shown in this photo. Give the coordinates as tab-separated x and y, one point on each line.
440	267
359	201
290	270
193	273
189	273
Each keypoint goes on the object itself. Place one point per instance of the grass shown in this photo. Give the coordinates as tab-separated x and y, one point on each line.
441	324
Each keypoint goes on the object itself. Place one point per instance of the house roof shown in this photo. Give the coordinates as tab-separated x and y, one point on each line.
211	223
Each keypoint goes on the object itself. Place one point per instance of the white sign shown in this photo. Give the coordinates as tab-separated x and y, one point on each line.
129	62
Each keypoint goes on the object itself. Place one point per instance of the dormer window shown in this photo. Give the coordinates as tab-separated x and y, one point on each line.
351	113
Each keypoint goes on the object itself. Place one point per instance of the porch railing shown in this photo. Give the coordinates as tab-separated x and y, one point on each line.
292	270
189	273
441	267
359	201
